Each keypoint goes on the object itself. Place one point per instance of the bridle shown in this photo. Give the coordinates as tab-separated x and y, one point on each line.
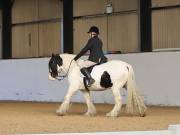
61	77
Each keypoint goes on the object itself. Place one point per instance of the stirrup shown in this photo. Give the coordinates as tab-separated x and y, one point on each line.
89	82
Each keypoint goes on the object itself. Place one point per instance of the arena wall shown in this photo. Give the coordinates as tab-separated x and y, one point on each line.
157	75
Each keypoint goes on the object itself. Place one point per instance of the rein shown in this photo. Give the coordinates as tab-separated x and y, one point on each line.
61	77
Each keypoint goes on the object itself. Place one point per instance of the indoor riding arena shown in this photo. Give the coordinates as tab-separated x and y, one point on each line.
142	33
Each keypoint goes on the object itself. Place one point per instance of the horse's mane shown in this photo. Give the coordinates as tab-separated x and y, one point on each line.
68	57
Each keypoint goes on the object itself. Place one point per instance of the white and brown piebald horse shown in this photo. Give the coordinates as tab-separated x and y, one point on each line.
114	75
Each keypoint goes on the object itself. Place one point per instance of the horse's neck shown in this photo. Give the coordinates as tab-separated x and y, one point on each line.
68	64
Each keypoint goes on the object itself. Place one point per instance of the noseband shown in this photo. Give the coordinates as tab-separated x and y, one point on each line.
61	77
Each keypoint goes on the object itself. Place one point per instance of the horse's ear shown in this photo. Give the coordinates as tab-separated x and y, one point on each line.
53	54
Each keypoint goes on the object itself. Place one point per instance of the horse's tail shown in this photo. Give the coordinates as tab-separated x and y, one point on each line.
134	100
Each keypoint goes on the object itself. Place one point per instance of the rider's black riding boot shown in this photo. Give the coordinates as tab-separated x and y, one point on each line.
89	79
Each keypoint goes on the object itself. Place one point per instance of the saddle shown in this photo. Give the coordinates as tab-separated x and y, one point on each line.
105	81
102	60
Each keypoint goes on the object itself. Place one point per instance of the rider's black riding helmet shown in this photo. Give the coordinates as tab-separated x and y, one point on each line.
94	29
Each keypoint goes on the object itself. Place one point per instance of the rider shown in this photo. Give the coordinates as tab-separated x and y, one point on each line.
96	56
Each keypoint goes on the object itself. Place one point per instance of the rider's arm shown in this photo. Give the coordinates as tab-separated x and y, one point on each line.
84	50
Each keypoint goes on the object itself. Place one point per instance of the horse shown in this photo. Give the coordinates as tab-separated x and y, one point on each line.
113	75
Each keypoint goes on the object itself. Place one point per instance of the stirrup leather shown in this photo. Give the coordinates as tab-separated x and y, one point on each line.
88	81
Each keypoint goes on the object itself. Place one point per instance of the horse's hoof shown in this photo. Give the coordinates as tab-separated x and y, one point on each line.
59	113
110	114
89	114
143	115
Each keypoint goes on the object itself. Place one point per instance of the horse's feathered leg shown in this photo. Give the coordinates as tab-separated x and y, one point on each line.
117	98
63	109
91	108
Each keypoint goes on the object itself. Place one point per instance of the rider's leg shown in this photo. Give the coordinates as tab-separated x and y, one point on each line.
87	74
83	66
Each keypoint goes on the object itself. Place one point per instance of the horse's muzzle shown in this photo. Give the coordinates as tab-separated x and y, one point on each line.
51	78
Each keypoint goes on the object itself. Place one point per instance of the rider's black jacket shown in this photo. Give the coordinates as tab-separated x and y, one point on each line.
94	45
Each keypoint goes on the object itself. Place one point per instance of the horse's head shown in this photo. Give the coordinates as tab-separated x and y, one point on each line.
55	64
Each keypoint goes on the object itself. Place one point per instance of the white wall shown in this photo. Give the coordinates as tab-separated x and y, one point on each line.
157	75
0	33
